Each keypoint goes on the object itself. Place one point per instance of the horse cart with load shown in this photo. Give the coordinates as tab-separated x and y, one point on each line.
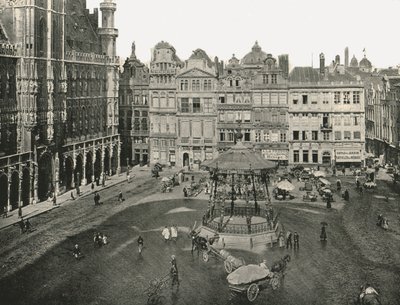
231	263
251	279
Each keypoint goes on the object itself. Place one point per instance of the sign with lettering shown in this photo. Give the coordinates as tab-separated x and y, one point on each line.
275	154
348	156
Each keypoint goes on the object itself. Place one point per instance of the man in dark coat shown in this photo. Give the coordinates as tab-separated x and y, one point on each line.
174	272
296	238
288	240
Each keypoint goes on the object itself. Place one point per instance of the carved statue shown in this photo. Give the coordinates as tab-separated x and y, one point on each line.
133	53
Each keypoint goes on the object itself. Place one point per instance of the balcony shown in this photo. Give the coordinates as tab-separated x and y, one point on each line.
326	127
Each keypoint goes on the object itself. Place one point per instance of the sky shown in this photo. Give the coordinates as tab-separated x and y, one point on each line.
301	28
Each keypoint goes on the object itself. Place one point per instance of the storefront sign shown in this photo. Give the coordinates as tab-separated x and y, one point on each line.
348	156
278	154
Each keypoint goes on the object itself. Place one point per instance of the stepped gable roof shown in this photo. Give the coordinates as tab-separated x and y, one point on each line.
354	62
255	57
201	54
311	75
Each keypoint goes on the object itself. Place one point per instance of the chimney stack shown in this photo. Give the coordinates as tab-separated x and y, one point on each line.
346	57
284	64
322	63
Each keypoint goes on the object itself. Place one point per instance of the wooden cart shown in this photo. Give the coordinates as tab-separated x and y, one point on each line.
231	263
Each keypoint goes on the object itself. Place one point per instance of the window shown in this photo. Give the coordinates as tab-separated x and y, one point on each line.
231	136
356	97
237	83
304	135
314	135
315	156
265	78
221	117
266	136
208	107
185	105
337	121
295	101
274	118
221	99
273	79
336	97
222	135
356	122
182	85
247	135
305	99
347	135
346	97
295	135
338	135
283	137
230	83
326	136
247	116
346	121
357	135
258	136
305	156
167	127
196	105
296	156
257	116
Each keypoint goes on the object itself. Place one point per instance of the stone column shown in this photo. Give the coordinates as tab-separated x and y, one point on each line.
118	157
83	174
20	204
56	175
9	207
110	160
102	163
93	160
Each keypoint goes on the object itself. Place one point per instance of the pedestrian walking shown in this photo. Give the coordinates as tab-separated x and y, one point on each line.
27	226
120	197
21	224
103	181
281	239
20	212
174	272
140	243
166	234
54	200
5	212
346	195
289	240
174	233
344	171
92	186
77	252
322	236
296	238
185	192
328	202
72	195
128	176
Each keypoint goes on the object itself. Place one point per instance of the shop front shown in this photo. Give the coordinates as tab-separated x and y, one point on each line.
349	157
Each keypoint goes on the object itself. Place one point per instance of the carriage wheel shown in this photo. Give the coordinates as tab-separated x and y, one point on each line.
205	256
274	283
228	266
252	292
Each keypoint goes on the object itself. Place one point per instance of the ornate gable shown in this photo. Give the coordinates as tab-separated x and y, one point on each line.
193	73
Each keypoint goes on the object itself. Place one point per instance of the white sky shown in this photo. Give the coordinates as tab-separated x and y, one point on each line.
299	28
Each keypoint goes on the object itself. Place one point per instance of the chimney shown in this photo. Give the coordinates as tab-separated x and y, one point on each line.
322	63
216	62
337	59
346	57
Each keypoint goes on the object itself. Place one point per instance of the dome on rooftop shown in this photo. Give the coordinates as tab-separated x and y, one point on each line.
354	62
163	45
365	63
255	57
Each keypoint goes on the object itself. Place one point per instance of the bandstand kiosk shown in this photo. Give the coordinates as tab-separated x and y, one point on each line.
239	211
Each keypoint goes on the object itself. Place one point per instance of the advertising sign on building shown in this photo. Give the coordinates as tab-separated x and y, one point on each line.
348	155
275	154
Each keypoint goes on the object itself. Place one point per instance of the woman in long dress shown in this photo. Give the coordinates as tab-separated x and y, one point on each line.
166	234
281	239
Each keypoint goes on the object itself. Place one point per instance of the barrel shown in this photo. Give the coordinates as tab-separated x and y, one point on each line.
224	254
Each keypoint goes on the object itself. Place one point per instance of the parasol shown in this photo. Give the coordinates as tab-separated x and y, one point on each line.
324	181
319	174
285	185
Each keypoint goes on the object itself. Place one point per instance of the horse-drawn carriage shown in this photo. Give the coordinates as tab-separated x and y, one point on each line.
252	279
204	245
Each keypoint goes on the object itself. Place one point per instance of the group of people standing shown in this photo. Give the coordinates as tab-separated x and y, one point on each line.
170	233
291	240
100	239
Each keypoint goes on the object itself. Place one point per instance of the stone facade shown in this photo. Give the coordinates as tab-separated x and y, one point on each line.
134	111
66	96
